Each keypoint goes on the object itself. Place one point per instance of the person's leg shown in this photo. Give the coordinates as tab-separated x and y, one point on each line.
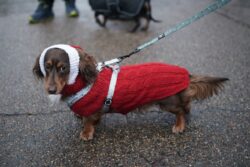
71	9
43	11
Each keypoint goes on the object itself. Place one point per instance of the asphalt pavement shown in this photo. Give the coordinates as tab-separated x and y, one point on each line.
34	133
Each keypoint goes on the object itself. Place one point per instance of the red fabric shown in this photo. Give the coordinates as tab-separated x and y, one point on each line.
76	47
136	85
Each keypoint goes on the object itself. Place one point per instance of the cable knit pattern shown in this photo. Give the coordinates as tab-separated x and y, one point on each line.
136	85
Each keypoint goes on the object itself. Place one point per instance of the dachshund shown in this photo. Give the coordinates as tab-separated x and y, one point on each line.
56	69
145	12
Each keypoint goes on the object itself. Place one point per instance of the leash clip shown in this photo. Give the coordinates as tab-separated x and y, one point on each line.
111	62
108	102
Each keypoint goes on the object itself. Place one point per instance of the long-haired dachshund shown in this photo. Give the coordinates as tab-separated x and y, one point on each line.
67	70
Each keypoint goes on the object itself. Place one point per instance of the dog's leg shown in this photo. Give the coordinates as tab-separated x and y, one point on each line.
88	131
179	105
180	123
182	107
137	25
146	13
98	20
187	107
180	112
89	126
180	117
145	28
104	21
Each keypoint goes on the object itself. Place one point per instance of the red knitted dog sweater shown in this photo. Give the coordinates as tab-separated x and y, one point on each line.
136	85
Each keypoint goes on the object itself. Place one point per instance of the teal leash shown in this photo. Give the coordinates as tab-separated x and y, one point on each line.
211	8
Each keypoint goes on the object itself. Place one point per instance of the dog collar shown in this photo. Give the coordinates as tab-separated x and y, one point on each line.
73	60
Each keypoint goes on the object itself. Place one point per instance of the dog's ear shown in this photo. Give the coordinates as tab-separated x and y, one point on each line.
36	69
87	67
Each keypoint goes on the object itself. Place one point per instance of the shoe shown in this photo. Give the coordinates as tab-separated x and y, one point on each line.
71	9
42	13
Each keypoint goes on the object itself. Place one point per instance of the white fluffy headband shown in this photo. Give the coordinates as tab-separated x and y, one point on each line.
73	60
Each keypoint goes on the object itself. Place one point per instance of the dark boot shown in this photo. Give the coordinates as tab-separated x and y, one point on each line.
71	9
43	11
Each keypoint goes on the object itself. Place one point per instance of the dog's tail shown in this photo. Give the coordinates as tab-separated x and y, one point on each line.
154	20
202	87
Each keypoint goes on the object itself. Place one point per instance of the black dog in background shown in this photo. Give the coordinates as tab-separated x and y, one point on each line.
123	10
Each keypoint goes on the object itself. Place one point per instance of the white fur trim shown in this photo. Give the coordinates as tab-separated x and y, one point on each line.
74	60
54	99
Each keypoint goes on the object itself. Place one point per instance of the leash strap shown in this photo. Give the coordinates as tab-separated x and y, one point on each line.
116	69
74	98
211	8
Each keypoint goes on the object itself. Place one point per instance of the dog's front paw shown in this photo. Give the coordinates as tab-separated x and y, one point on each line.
86	135
178	129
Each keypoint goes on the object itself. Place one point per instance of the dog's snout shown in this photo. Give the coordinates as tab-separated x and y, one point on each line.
52	90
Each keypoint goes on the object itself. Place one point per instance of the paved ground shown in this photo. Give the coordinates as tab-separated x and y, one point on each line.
34	134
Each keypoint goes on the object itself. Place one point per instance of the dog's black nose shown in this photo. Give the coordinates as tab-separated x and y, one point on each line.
52	90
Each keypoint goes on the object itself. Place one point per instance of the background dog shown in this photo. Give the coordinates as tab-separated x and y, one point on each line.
57	68
129	13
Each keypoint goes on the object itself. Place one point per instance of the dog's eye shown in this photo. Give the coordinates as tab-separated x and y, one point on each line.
62	69
47	67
